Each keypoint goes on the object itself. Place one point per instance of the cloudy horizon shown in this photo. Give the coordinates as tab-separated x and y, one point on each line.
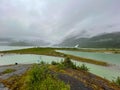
53	20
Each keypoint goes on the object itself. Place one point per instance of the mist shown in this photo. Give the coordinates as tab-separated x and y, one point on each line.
54	20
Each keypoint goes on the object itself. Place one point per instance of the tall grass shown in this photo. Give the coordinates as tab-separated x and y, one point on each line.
39	78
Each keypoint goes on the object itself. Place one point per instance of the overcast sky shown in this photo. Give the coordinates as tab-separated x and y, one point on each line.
52	20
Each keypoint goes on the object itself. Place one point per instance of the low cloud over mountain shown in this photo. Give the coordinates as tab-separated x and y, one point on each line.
54	20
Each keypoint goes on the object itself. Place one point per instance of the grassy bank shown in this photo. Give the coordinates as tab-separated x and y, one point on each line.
46	77
52	52
82	74
38	77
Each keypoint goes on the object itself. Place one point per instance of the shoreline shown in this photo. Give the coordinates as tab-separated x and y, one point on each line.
84	78
52	52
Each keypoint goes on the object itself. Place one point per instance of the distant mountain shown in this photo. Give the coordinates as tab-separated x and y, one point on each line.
107	40
5	41
12	42
19	43
29	43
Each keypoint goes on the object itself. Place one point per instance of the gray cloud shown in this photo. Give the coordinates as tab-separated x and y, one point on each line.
53	20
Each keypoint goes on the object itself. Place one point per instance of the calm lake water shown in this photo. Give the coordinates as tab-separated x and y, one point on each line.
26	59
107	57
110	72
107	72
6	59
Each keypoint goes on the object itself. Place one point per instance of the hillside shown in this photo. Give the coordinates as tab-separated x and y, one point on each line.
28	43
108	40
13	42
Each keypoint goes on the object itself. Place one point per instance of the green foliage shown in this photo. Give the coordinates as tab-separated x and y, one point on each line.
83	67
8	71
117	81
42	62
68	63
54	63
39	78
53	84
61	66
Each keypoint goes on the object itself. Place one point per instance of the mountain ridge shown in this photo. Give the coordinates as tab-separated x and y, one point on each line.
106	40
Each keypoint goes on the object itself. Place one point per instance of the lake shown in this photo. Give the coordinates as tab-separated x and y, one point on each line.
105	72
110	72
8	59
107	57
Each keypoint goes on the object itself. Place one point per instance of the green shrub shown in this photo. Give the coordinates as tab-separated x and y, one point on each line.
61	66
53	84
42	62
68	63
54	63
83	67
117	81
39	78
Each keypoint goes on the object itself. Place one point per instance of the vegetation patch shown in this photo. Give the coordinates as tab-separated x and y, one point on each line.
81	73
117	81
83	67
67	63
45	77
38	77
8	71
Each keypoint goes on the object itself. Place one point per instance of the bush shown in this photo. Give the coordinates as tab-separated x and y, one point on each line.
117	81
54	63
68	63
39	78
83	67
61	66
53	84
42	62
